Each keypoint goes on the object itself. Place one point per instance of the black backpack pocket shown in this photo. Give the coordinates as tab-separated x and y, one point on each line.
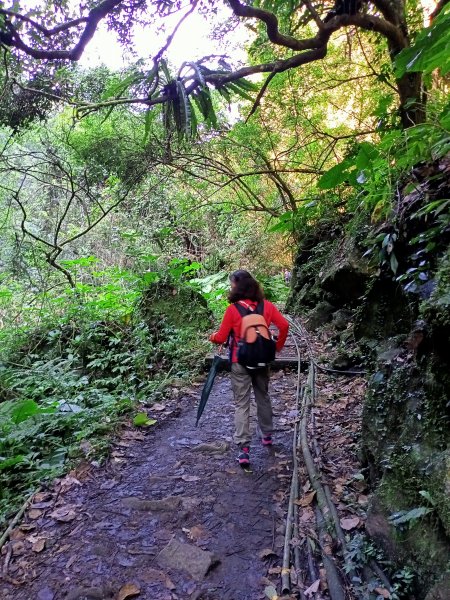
256	355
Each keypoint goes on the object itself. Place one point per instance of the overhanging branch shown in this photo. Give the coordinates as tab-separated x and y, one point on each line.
96	14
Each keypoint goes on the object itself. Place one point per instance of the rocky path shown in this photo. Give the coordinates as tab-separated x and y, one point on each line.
171	516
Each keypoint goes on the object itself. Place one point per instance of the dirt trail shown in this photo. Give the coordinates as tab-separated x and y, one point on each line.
103	528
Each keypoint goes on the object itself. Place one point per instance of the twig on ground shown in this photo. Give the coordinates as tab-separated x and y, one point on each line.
16	519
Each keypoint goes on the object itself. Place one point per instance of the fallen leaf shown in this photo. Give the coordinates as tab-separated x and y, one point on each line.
323	578
306	500
383	592
128	590
271	592
312	588
82	471
42	497
64	514
195	533
307	515
142	420
169	583
274	571
349	523
157	406
39	545
34	513
18	548
68	482
40	505
267	552
26	527
17	534
294	576
151	575
190	478
306	487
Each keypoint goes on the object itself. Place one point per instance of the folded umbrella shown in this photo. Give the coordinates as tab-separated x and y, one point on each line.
208	386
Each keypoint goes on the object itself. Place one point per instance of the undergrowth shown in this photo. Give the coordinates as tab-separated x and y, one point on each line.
92	355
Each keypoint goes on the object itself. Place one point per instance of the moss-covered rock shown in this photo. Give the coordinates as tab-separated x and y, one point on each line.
331	270
406	429
384	311
177	319
441	589
176	305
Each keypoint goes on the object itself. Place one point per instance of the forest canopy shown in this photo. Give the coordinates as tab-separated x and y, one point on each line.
40	40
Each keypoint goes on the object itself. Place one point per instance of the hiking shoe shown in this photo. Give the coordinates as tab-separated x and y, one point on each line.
243	456
266	440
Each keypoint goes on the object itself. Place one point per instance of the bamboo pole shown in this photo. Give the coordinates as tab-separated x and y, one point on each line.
16	519
335	587
290	521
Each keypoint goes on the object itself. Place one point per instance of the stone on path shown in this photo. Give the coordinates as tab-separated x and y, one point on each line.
213	448
170	503
178	555
46	594
92	593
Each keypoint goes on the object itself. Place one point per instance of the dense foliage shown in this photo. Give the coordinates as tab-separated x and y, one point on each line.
126	197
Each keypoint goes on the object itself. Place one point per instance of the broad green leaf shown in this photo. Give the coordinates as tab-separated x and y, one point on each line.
84	261
335	176
240	92
366	155
427	496
142	420
430	51
6	463
407	516
285	223
444	118
23	410
147	125
394	263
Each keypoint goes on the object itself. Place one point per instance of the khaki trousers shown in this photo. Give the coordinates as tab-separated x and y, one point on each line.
242	380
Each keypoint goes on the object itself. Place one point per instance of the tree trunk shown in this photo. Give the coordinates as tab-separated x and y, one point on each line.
412	99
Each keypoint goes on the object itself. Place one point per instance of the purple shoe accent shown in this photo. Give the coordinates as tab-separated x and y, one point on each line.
267	440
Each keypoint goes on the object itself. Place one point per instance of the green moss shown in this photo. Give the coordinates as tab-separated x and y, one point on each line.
310	260
179	306
410	481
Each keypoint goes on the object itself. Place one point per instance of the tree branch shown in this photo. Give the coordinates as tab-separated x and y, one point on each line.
92	20
41	28
172	35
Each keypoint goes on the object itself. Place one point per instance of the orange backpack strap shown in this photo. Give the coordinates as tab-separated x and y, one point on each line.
244	309
253	322
252	325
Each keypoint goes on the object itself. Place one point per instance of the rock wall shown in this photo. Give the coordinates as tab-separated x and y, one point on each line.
405	339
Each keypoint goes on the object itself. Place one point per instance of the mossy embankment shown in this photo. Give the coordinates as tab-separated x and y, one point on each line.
386	290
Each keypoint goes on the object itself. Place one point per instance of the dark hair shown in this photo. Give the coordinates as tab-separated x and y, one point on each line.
247	288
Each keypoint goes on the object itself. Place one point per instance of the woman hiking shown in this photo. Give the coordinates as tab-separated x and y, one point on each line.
246	297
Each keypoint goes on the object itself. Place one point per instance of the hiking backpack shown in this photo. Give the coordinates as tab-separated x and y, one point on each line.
256	348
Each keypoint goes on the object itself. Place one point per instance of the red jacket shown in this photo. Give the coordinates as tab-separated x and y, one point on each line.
231	322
